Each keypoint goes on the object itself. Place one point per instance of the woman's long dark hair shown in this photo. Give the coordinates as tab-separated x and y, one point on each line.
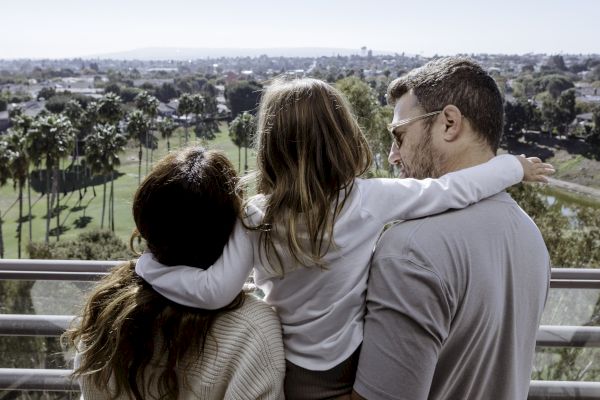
185	210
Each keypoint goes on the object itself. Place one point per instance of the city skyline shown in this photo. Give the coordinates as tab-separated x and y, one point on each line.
71	28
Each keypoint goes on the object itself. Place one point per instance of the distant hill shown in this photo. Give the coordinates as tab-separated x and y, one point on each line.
174	53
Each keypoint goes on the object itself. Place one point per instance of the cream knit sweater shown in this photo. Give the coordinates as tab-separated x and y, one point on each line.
243	359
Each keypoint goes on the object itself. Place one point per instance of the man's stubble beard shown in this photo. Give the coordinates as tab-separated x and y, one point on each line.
426	161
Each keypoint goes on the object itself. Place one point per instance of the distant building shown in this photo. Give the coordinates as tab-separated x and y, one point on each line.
32	108
4	121
168	109
584	119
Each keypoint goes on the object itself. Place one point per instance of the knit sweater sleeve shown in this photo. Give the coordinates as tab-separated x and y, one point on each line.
209	289
391	199
261	370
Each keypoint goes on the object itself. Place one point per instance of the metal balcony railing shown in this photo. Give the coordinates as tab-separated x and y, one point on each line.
15	379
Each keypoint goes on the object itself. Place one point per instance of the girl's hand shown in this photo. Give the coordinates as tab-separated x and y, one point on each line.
534	170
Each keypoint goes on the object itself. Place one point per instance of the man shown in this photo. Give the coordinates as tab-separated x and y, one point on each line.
454	300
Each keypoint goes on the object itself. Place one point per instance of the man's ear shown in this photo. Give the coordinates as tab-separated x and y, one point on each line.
452	119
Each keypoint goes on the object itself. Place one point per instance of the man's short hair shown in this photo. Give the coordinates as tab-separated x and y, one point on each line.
461	82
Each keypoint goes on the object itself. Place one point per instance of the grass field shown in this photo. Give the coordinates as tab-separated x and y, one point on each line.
91	206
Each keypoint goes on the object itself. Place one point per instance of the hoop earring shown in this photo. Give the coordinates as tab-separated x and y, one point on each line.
135	234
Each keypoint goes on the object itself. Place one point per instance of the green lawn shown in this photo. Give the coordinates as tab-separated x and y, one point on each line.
91	206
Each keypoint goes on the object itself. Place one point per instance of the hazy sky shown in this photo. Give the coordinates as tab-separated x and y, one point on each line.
69	28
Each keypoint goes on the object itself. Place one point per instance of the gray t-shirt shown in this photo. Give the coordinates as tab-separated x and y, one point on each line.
453	306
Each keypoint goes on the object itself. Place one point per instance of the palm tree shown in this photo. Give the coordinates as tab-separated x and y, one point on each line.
110	109
90	118
5	175
102	150
52	136
19	166
166	128
137	126
241	131
184	109
148	104
76	114
22	124
197	109
206	126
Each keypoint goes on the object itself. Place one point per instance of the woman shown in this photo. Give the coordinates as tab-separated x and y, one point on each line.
135	344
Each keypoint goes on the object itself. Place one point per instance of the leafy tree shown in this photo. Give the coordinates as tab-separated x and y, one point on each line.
128	94
242	131
46	93
90	245
102	150
166	92
366	108
594	137
56	104
554	84
557	62
515	118
568	245
566	104
113	88
52	136
243	96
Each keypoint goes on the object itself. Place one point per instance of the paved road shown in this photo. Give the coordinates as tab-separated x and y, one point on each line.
574	187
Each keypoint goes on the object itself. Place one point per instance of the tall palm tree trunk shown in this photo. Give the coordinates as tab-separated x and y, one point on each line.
103	203
140	163
1	237
112	201
29	204
146	153
56	197
20	228
48	198
186	130
109	221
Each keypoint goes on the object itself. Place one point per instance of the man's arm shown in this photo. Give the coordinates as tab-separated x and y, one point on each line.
408	319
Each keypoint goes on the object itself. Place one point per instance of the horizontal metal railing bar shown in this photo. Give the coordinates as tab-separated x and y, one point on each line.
544	390
575	278
574	284
54	270
20	379
34	325
576	273
568	336
54	325
51	276
58	265
85	270
52	380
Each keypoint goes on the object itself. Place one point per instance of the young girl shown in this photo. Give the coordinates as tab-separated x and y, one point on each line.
310	231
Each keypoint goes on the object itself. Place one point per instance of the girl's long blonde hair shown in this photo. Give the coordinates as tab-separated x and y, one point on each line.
309	151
